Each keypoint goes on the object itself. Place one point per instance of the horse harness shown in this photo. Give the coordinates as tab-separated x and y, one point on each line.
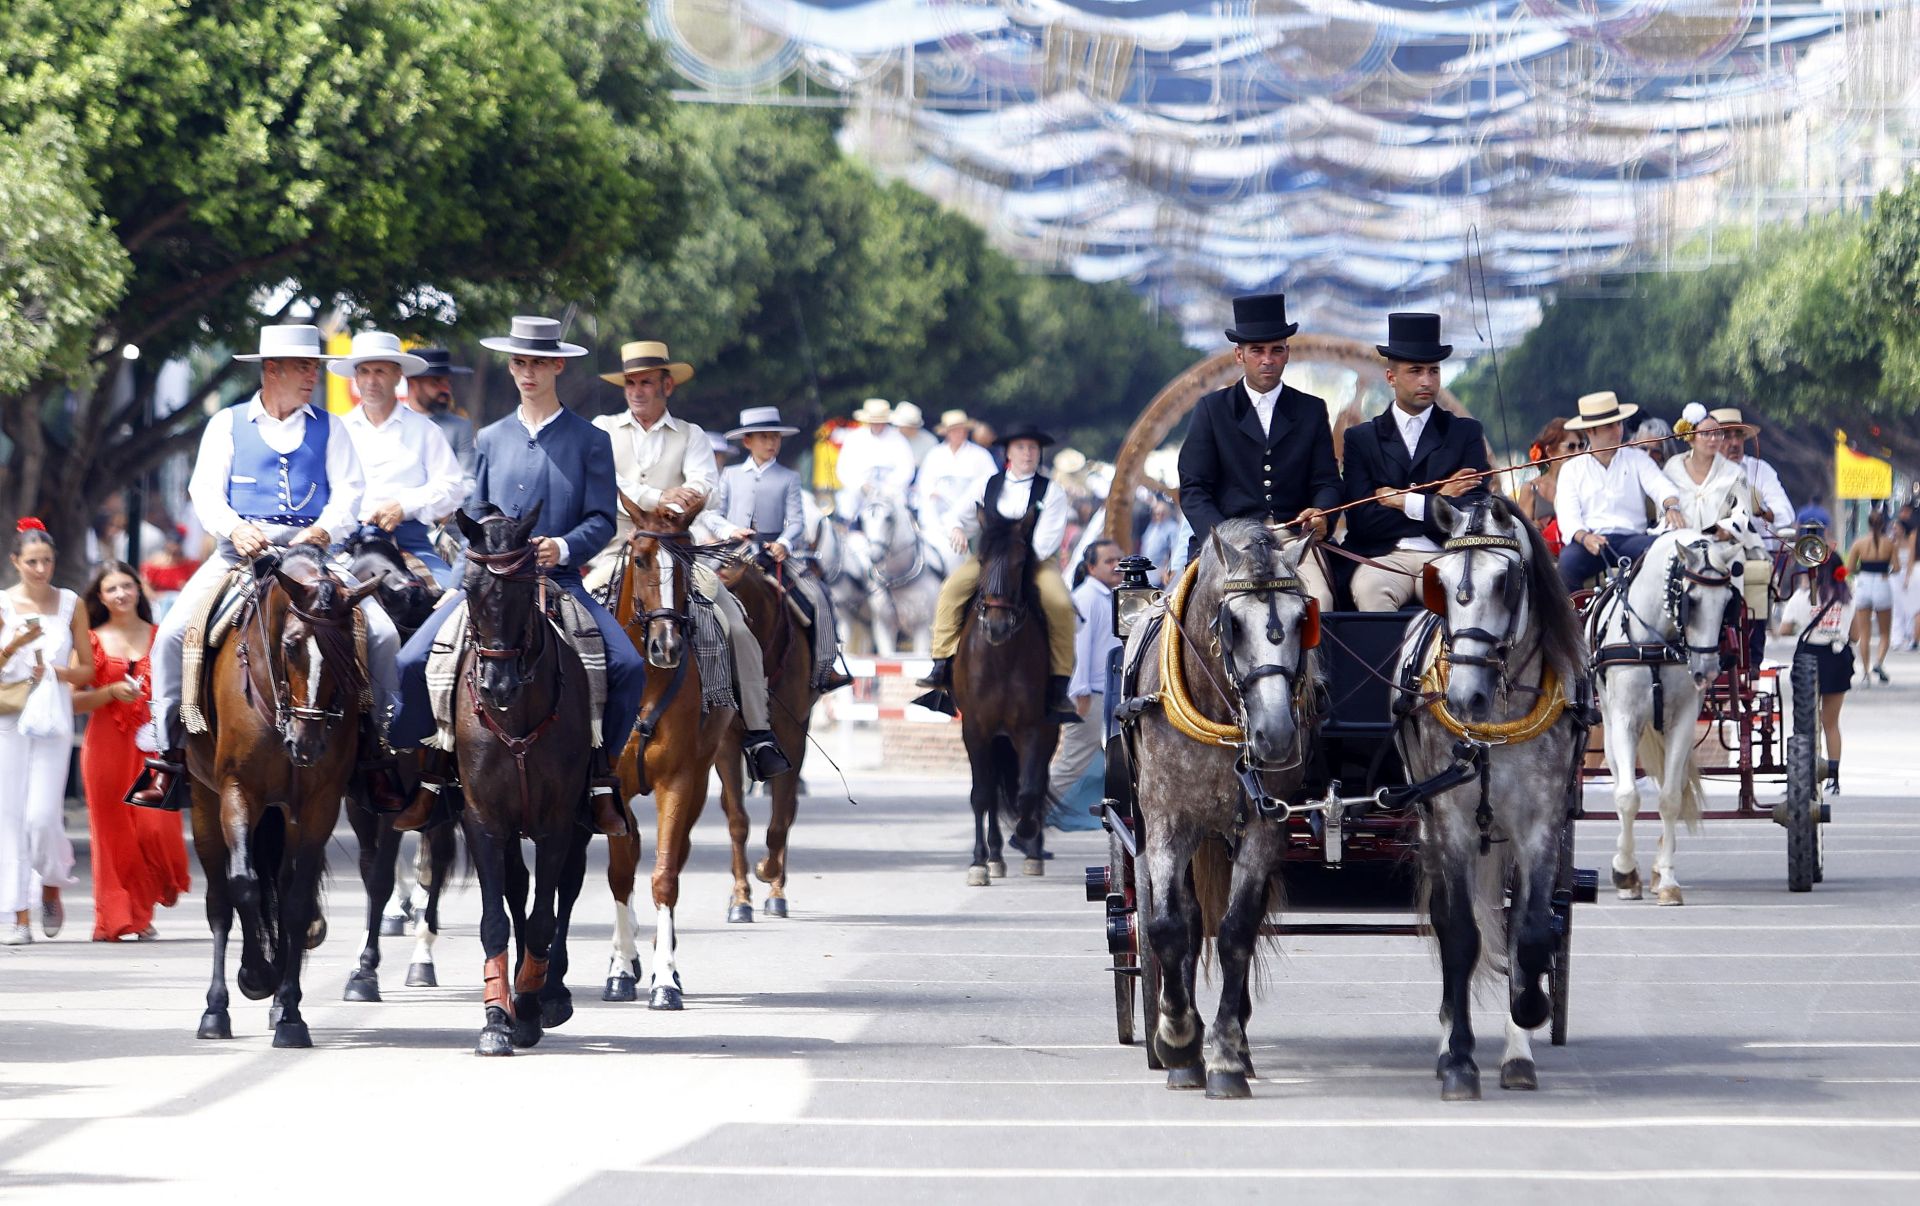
332	634
516	565
1677	610
990	505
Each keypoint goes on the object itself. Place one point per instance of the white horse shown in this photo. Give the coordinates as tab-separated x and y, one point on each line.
1655	641
841	557
904	576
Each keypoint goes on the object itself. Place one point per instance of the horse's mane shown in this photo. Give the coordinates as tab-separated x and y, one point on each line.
1561	641
328	592
1005	554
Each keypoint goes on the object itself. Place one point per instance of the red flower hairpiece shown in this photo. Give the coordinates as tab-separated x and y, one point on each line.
1839	573
29	524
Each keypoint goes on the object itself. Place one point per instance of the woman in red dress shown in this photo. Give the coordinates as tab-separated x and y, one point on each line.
139	856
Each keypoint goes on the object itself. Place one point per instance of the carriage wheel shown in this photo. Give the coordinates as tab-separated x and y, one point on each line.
1560	975
1149	968
1119	871
1803	837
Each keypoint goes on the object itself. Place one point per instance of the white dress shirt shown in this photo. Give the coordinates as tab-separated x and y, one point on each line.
698	469
1766	486
1263	404
1725	494
1607	498
1094	640
207	488
1416	504
947	480
1048	531
884	462
407	461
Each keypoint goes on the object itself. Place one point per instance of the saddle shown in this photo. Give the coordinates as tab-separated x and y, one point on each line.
214	615
568	617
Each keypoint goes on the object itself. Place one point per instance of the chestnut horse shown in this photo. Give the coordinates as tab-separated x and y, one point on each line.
789	665
268	776
671	751
523	730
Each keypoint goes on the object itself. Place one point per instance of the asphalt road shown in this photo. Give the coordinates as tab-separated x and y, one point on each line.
904	1037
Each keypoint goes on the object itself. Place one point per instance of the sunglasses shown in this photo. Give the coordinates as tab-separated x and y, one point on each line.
1573	445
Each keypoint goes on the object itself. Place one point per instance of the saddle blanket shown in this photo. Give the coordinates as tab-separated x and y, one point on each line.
213	617
712	651
573	623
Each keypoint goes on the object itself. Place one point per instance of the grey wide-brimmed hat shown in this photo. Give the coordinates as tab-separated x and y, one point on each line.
761	418
297	341
530	335
371	346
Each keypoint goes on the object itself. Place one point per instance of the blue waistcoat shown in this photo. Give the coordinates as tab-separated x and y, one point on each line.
289	488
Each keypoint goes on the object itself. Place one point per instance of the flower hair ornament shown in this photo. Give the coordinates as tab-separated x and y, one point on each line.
29	524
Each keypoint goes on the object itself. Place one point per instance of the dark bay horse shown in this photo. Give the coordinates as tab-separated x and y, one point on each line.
671	751
268	777
789	662
523	731
1000	684
408	600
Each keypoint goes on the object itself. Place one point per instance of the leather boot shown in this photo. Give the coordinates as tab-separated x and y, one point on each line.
165	780
1059	708
940	678
436	789
834	679
603	793
379	771
764	757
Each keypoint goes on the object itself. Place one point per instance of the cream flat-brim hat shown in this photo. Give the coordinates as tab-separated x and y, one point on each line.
1598	410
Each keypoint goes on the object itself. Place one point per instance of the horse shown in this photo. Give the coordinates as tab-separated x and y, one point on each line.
523	728
1494	664
844	567
1236	641
1655	634
671	752
268	777
408	600
790	684
903	577
1000	669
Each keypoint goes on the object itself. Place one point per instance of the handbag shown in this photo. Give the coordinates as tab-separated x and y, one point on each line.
45	713
13	696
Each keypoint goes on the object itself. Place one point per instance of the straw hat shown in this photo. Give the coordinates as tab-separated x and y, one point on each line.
369	347
874	410
952	418
908	415
644	354
761	418
1598	410
292	342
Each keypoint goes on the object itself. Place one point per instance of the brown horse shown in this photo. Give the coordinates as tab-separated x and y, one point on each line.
268	776
523	730
1000	684
671	751
790	683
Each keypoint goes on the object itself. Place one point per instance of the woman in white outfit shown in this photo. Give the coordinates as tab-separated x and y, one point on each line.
1711	487
41	628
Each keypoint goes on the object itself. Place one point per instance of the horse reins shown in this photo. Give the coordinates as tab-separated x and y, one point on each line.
517	566
327	631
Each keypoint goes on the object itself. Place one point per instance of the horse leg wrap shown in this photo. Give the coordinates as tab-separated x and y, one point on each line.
496	983
532	977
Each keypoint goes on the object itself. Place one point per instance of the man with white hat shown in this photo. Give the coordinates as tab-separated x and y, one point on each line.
762	500
663	462
1602	496
912	425
271	471
413	478
1773	504
950	475
873	457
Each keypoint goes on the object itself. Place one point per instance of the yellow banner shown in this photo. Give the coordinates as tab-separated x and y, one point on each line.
340	393
1857	475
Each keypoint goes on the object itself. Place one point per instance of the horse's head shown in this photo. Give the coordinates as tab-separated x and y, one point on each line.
1480	586
1006	562
660	567
309	629
1263	627
504	625
408	601
881	518
1707	568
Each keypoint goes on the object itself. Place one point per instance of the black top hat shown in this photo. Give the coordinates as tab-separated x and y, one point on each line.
439	364
1414	338
1260	318
1024	430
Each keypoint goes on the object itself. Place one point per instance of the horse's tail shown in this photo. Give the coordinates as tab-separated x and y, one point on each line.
1212	869
1653	754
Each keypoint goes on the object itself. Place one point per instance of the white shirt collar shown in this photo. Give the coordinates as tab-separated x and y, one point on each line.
257	410
1260	399
756	468
1014	481
360	416
520	413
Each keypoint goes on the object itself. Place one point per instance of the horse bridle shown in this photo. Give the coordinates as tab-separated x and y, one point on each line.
1677	604
1268	588
285	711
1500	645
515	565
676	546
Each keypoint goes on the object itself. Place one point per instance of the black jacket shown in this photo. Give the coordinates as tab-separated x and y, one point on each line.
1230	469
1376	456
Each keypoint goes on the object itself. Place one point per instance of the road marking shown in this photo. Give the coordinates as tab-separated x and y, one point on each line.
943	1082
1832	1045
1423	953
1527	1122
1608	1176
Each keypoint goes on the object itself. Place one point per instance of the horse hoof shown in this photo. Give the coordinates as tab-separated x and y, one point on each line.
1440	1067
740	914
1191	1076
291	1033
392	927
763	872
997	868
252	989
316	933
362	986
215	1024
977	876
1033	866
421	975
1628	884
1670	894
1519	1074
1186	1054
619	988
1228	1085
526	1032
776	906
556	1013
666	997
1530	1009
1460	1084
494	1041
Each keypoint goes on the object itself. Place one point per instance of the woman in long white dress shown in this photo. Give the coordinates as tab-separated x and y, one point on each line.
1711	487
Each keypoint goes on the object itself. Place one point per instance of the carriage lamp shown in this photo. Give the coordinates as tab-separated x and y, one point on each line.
1134	594
1810	547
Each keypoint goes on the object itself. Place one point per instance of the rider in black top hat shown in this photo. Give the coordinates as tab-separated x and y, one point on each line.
1259	448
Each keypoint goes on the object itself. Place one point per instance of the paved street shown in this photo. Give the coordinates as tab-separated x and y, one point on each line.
904	1037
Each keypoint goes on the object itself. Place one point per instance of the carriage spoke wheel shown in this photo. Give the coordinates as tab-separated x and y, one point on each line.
1149	966
1802	817
1125	965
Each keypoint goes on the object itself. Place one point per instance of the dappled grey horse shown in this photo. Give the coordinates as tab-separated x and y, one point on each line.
904	571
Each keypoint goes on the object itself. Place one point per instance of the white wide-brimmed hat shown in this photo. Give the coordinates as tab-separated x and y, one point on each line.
370	346
908	415
874	410
761	418
297	341
1598	410
530	335
645	354
952	418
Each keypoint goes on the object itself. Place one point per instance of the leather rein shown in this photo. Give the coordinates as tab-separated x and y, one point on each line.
275	705
516	566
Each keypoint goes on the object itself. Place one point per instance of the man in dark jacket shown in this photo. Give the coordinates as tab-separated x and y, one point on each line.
1260	449
1411	441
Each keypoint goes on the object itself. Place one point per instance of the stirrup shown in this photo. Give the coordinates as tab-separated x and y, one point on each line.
938	700
161	784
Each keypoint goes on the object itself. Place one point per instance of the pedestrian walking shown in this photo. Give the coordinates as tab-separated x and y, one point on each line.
1870	561
139	856
1093	643
1825	604
41	626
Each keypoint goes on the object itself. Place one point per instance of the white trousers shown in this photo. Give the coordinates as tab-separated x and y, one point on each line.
1079	744
34	849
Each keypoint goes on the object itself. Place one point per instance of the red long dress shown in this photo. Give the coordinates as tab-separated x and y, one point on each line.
139	856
